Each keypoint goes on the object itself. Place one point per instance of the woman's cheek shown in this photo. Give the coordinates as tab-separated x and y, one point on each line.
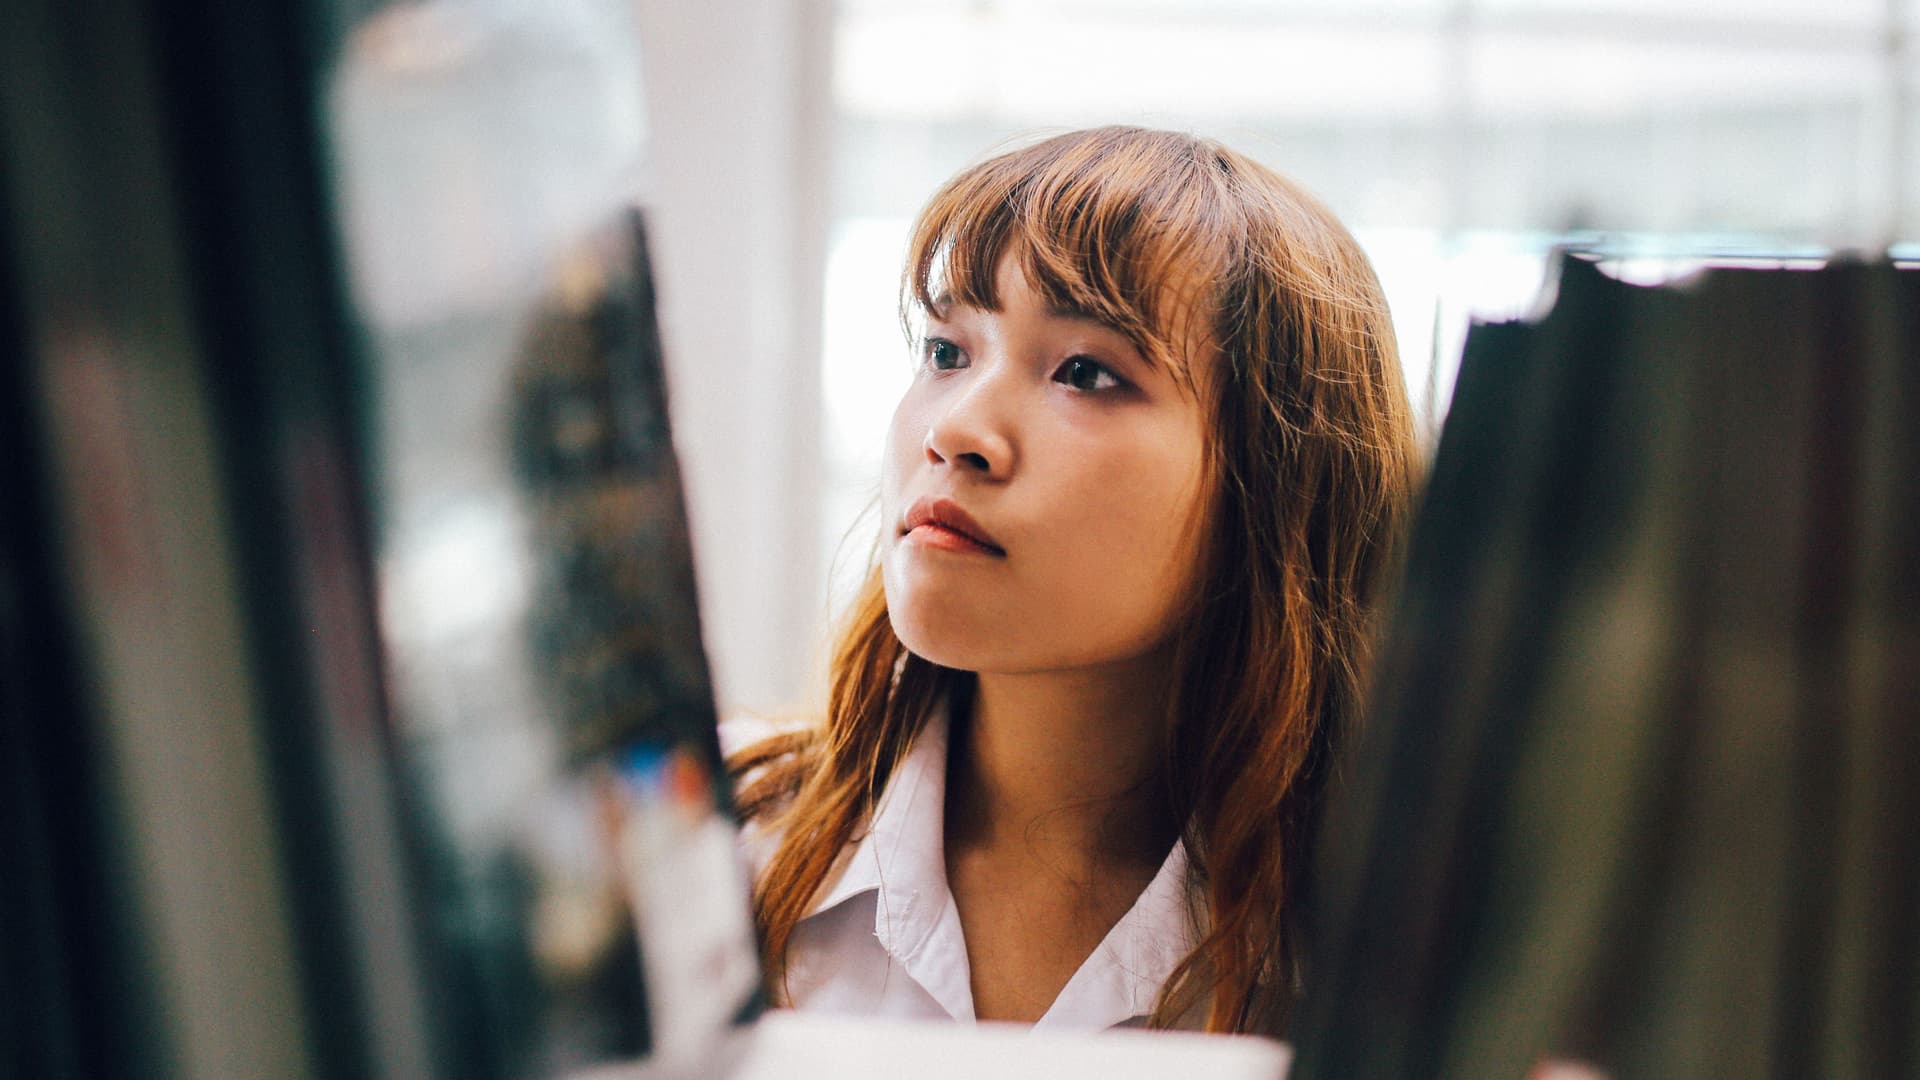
905	436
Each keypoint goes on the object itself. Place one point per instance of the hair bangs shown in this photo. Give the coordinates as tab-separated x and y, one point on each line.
1130	233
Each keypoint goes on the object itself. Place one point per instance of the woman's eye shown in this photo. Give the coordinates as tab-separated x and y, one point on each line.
942	355
1083	373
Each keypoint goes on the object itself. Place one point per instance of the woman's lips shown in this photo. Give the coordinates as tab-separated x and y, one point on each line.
942	524
939	536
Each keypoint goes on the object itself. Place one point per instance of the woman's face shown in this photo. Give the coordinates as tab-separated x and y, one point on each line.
1041	491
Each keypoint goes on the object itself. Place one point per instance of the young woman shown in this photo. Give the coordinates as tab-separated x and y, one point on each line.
1137	509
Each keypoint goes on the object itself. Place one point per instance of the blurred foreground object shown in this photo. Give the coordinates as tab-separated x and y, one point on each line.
554	712
202	871
1642	784
614	632
281	791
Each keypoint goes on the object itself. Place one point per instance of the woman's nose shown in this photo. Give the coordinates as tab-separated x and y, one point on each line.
971	434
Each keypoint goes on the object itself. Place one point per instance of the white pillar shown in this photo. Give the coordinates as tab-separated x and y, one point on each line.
738	101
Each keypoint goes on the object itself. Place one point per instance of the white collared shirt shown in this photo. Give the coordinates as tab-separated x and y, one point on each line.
884	938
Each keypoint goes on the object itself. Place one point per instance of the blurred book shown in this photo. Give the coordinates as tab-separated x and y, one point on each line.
1641	785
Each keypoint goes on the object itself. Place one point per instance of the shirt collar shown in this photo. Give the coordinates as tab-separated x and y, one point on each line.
902	858
905	834
1123	977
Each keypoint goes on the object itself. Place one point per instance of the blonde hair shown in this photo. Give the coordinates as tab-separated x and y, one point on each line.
1199	256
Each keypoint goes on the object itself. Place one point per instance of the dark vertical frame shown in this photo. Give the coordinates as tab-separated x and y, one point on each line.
70	997
164	161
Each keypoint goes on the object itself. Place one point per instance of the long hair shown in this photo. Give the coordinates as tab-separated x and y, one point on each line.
1199	256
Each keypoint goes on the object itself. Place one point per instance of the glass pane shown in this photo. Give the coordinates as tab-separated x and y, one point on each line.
1907	167
1040	67
1754	15
1163	10
1570	133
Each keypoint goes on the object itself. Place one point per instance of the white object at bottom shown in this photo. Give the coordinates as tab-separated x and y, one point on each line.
787	1045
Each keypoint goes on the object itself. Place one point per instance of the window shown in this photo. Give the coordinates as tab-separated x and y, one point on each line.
1460	139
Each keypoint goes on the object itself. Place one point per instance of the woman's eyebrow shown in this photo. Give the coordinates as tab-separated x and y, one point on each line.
1086	318
943	308
1064	313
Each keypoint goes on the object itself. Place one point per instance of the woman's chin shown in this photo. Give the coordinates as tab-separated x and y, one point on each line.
939	633
936	645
